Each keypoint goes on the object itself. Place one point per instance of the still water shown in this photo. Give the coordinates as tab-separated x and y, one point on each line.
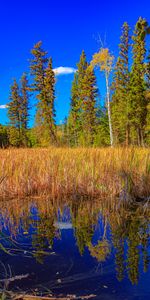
77	247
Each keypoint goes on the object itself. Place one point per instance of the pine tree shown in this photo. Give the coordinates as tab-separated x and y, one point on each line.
120	87
82	117
4	139
37	67
77	97
89	106
44	86
47	101
147	128
138	102
24	109
74	115
14	115
102	137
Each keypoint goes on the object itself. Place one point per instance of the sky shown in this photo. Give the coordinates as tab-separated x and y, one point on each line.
65	28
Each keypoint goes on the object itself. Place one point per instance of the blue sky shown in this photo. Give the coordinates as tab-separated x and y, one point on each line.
65	27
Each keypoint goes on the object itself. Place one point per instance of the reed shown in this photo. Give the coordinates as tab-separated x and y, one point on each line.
57	172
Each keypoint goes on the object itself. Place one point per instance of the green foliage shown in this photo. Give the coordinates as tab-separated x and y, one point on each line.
44	86
75	116
124	121
102	136
120	87
18	113
47	102
138	101
4	140
82	117
37	66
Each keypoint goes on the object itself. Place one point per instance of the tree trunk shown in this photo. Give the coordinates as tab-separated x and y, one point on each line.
109	112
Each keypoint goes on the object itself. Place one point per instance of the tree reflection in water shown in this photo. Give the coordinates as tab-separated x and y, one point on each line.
126	230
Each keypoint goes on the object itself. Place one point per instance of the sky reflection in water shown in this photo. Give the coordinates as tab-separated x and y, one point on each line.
79	248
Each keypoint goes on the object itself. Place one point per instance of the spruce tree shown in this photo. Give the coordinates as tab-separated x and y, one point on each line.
24	109
18	113
77	97
47	101
38	64
147	128
120	87
37	67
4	139
14	115
44	86
74	115
138	101
102	137
82	117
89	106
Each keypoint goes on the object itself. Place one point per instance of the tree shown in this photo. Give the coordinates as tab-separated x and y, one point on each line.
4	140
120	87
37	67
24	109
82	117
89	107
75	115
44	86
18	113
138	101
147	127
104	60
47	101
102	137
14	115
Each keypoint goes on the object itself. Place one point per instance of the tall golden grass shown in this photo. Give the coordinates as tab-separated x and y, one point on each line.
83	171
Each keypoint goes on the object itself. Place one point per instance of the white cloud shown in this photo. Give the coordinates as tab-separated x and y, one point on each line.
64	70
3	106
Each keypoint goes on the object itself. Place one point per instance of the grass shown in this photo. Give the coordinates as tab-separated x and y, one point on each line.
60	172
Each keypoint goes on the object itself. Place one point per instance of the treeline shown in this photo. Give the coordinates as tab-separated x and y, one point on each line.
124	119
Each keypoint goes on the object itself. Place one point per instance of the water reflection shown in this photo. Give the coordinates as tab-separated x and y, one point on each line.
81	238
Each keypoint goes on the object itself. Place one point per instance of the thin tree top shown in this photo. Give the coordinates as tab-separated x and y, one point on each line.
103	59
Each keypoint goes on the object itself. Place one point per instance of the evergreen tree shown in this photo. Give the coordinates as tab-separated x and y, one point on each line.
37	67
18	113
89	107
74	123
4	140
120	86
138	101
147	128
102	137
77	97
47	101
44	86
82	118
14	115
24	109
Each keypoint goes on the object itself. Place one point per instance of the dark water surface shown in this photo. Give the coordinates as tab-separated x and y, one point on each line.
78	247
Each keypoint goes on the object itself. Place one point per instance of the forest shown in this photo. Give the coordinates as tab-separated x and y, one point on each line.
124	118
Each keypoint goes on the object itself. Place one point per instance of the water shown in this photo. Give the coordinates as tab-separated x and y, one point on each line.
78	247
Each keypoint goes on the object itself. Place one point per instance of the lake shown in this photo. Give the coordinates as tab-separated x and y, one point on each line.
79	246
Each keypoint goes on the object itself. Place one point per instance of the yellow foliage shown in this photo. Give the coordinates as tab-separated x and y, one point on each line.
100	251
103	59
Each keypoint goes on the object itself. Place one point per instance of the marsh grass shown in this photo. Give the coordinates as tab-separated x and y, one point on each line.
83	171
